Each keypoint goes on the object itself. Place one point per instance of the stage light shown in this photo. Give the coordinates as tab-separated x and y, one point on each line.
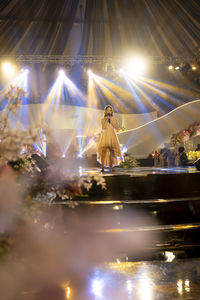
169	256
136	65
8	68
129	285
170	67
80	155
124	150
194	68
97	287
61	72
177	68
145	288
89	72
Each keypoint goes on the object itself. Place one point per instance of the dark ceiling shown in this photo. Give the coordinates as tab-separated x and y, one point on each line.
100	27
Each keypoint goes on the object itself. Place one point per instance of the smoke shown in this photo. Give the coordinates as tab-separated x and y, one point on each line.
61	245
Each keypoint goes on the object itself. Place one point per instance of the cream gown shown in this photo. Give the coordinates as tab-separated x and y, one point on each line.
109	140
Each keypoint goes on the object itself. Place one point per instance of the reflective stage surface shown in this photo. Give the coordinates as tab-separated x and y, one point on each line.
139	171
151	218
146	183
163	204
142	281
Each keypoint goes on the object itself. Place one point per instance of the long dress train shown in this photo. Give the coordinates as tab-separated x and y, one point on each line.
109	141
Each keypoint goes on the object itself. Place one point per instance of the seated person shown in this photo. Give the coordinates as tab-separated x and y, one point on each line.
171	158
183	159
198	147
156	158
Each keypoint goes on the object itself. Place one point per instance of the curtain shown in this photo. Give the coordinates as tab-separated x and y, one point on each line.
110	27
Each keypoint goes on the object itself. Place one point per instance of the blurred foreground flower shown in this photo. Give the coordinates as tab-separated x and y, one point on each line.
63	245
42	246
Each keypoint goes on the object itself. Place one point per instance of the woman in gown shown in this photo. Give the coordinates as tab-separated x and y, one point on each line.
108	150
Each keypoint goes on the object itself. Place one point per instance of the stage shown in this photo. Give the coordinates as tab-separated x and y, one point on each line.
153	280
161	202
145	183
151	216
140	171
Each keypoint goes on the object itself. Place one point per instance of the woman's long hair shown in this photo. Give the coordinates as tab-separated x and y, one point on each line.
106	109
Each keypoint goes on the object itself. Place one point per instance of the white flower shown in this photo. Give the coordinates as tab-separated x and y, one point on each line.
87	181
72	204
48	197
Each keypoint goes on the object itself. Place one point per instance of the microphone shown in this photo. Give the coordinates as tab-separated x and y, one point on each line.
108	118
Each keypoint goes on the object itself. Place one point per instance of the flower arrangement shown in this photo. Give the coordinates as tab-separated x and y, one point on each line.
39	242
123	128
55	186
43	184
13	141
185	135
129	162
193	155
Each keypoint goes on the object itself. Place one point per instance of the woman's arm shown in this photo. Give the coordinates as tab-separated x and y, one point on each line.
114	123
103	122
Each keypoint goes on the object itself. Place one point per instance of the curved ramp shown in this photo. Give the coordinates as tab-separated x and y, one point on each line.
142	140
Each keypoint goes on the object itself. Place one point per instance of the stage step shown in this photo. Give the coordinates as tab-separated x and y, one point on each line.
173	224
131	187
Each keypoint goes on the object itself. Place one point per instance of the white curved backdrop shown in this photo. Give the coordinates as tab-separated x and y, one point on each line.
143	140
72	124
145	132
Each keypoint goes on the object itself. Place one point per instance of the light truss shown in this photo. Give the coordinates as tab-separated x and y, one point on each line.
96	59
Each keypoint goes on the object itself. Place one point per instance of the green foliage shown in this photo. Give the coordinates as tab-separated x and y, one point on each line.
129	162
123	128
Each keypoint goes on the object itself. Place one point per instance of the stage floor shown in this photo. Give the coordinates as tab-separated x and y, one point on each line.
139	171
145	183
157	207
144	281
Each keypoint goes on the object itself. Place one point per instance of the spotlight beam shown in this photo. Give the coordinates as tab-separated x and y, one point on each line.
167	86
103	84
